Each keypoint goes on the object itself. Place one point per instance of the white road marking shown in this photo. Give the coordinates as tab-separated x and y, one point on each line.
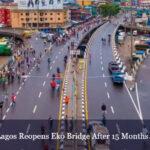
20	88
28	128
47	74
40	94
112	109
102	68
53	61
22	83
44	83
34	109
56	57
17	93
105	84
139	114
4	117
101	62
138	100
10	104
59	52
51	68
103	75
7	110
108	95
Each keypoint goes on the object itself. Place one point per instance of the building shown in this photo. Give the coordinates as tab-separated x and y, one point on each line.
40	18
144	3
84	2
79	14
5	13
92	9
5	17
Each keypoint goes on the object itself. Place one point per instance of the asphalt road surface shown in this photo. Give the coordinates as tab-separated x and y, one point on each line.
100	87
125	109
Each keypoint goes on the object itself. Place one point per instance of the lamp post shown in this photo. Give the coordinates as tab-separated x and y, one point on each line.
131	33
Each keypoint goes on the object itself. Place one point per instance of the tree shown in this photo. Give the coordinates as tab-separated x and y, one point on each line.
108	10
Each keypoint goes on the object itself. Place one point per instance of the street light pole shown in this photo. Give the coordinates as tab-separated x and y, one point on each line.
131	33
38	17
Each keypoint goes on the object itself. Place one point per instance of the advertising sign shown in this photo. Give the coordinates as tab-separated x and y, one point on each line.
40	4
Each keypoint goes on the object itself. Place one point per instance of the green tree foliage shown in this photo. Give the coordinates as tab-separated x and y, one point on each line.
108	10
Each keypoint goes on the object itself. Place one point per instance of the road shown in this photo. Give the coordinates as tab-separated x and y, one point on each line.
35	100
123	107
100	89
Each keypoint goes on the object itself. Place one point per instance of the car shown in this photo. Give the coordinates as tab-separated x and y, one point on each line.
96	128
27	34
117	75
49	37
118	78
43	35
113	67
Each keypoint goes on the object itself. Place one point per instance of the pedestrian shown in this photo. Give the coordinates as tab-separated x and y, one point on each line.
53	84
66	123
12	77
67	100
42	129
71	125
46	146
18	76
104	120
50	123
13	98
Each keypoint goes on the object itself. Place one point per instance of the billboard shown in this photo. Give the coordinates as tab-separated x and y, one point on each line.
40	4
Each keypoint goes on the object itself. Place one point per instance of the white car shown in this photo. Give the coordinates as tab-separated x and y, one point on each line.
43	35
49	37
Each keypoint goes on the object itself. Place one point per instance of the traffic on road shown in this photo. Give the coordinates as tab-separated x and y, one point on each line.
84	86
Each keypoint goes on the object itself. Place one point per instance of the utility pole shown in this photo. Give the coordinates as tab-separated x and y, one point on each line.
131	33
38	17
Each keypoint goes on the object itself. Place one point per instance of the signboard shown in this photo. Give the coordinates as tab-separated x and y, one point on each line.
40	4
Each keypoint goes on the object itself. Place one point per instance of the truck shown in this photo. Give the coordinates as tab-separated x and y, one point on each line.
5	49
